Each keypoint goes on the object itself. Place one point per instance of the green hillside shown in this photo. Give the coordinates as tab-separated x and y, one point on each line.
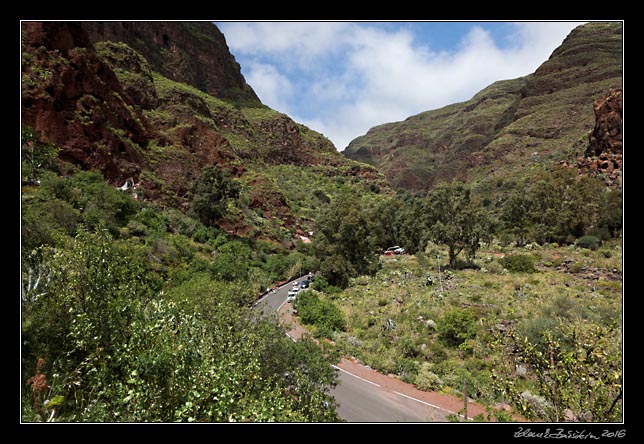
508	128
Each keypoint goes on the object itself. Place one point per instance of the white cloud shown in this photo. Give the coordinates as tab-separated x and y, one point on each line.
295	43
348	77
273	88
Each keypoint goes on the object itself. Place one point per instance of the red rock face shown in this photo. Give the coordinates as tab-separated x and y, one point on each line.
607	135
90	89
76	102
603	157
195	53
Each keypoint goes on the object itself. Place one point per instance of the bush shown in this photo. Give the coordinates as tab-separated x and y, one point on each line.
320	283
322	313
590	242
457	326
426	379
518	263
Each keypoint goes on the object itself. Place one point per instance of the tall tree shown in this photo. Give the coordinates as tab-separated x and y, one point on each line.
455	221
345	244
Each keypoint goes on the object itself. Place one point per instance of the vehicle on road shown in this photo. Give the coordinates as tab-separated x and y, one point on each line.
291	295
394	250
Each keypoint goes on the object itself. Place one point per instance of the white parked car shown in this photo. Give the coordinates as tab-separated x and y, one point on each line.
292	294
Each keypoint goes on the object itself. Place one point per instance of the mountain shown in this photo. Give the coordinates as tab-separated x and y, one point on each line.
153	103
504	130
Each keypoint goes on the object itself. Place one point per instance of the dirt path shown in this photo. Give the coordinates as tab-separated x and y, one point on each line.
449	403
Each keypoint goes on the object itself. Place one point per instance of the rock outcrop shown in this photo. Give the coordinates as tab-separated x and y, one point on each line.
153	103
75	101
194	53
603	157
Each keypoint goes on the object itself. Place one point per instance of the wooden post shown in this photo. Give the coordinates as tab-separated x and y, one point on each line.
465	396
440	280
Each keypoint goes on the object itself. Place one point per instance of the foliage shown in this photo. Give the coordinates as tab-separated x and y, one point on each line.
93	202
37	156
518	263
457	326
559	206
344	244
590	242
210	194
111	349
320	312
426	379
580	381
456	221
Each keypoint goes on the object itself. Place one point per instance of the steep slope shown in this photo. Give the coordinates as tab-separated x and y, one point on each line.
194	53
156	102
545	117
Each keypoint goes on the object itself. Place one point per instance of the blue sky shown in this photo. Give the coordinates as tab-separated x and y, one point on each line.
342	78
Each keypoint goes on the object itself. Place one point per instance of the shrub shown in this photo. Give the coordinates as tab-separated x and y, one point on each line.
457	326
518	263
590	242
322	313
320	283
426	379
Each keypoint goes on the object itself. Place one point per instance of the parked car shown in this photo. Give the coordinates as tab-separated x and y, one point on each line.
292	294
394	250
304	284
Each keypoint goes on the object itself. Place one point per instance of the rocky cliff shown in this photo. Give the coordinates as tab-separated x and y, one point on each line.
194	53
155	103
76	101
544	118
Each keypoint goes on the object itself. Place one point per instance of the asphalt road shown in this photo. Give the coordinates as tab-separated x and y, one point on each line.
360	400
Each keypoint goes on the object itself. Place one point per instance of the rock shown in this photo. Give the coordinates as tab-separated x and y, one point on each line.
603	156
606	138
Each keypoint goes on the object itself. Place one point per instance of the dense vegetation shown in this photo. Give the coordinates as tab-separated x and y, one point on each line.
134	313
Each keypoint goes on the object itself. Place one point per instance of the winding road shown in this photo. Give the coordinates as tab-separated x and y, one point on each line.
364	395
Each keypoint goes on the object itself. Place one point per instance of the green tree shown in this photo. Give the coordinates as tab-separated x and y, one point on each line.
516	217
232	261
387	226
210	194
558	206
610	218
456	221
410	222
344	244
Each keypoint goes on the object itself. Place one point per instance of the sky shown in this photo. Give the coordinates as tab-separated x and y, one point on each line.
343	78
